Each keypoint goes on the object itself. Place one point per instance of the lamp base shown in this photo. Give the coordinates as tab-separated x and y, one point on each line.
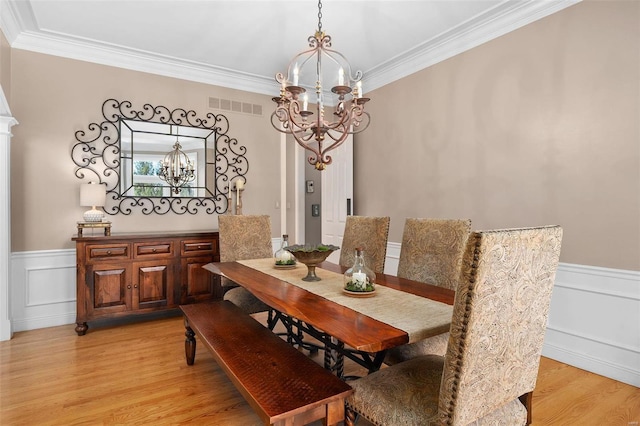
93	215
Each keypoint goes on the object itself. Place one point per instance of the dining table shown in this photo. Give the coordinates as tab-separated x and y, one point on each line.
398	312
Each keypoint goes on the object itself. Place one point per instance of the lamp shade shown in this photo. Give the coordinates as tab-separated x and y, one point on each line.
92	194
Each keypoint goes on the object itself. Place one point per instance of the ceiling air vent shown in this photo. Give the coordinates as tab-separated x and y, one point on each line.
235	106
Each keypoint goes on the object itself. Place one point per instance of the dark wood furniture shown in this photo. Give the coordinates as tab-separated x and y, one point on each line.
280	383
343	331
134	274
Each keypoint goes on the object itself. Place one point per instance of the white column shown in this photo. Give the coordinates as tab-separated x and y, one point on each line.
6	122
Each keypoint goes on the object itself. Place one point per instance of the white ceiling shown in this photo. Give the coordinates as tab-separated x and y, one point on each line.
242	44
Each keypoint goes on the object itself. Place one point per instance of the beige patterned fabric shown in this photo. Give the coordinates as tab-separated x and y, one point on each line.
436	345
497	331
432	249
408	394
499	320
371	234
431	253
244	237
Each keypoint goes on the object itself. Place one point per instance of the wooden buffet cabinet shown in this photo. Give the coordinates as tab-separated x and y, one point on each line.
136	274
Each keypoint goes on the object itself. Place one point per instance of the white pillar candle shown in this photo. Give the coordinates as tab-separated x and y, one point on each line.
341	77
360	280
359	86
239	184
295	75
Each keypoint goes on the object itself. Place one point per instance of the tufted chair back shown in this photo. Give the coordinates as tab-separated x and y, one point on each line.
499	320
432	250
371	234
244	237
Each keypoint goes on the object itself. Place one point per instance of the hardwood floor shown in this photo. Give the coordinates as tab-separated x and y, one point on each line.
136	374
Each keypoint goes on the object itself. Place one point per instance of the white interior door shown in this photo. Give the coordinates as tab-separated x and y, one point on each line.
337	195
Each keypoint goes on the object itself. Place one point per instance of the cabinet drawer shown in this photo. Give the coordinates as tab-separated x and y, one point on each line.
159	249
107	251
193	247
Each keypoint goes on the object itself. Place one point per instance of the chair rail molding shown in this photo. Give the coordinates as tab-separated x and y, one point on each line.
6	122
594	322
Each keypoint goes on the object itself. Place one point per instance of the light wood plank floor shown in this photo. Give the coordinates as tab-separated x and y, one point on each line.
136	374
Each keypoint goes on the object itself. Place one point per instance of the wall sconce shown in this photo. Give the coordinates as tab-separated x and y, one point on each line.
93	195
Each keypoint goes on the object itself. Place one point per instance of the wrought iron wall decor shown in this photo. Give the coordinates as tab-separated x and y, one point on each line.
125	150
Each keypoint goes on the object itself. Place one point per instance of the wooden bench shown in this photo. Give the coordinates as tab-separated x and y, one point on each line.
280	383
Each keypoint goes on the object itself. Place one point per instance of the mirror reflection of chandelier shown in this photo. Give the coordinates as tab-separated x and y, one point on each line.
177	168
313	129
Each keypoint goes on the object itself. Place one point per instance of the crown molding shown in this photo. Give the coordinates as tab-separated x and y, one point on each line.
18	25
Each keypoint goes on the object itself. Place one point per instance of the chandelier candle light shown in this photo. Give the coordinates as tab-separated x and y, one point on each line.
315	130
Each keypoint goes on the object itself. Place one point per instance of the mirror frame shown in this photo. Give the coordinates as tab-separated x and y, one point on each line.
97	156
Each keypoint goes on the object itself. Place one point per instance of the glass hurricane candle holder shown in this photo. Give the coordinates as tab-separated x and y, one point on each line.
359	278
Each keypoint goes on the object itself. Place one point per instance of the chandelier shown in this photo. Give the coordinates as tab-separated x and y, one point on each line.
177	169
321	127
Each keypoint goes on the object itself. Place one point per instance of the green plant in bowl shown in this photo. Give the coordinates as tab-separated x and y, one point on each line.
351	286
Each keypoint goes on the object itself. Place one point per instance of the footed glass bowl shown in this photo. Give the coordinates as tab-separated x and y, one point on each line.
311	256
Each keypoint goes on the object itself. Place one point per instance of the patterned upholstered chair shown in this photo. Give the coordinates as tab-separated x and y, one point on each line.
244	237
371	234
497	331
431	253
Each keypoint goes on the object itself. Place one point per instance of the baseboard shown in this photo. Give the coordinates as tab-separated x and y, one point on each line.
594	321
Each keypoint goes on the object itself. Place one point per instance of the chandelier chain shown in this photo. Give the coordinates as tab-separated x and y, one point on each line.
320	16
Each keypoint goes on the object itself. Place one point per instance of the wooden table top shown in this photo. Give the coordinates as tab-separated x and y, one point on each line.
350	327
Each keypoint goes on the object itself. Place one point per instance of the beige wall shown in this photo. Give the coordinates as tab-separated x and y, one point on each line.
54	97
540	126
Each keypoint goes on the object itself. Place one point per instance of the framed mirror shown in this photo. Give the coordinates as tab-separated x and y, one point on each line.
132	150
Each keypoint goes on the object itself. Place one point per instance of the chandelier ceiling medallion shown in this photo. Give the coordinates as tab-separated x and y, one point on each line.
313	128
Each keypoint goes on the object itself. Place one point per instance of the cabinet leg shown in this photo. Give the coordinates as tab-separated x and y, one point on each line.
189	344
81	328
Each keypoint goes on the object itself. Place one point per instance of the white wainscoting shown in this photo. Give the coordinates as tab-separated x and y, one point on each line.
43	289
594	323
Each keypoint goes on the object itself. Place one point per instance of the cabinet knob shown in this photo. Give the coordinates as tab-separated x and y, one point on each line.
154	250
108	251
129	286
135	286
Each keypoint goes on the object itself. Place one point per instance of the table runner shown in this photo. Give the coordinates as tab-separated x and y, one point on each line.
418	316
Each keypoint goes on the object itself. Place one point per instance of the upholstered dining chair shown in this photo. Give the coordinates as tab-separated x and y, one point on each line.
244	237
496	336
370	233
431	252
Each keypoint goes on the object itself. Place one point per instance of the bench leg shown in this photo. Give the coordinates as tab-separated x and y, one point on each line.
335	413
189	344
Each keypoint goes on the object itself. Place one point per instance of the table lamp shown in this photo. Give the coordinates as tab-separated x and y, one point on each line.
93	195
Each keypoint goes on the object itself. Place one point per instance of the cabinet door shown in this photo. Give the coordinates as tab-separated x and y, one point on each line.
108	287
197	283
152	284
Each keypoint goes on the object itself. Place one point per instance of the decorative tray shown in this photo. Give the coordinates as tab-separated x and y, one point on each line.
359	293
